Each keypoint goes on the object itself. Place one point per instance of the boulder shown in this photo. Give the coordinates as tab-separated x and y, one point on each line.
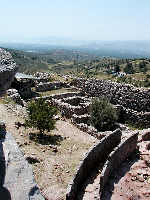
16	176
8	69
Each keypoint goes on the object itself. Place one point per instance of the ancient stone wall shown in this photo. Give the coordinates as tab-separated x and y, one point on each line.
78	119
123	94
60	96
8	70
116	157
41	87
68	109
94	157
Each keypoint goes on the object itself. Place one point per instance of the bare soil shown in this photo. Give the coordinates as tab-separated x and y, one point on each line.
60	155
57	159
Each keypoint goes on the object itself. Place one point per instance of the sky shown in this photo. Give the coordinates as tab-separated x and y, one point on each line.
75	19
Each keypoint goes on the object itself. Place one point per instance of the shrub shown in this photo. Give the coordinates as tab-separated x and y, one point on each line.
103	115
40	115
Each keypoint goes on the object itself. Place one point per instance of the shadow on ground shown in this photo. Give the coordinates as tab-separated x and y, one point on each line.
45	139
90	180
118	174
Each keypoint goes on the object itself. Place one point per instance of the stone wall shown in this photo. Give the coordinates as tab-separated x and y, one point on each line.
94	157
116	157
42	87
126	115
60	96
70	110
78	119
139	119
123	94
76	100
8	70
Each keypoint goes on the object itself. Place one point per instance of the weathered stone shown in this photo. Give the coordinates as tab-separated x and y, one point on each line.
16	176
146	135
126	147
41	87
15	96
8	70
134	103
96	155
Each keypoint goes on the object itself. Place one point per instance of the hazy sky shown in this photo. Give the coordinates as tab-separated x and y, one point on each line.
76	19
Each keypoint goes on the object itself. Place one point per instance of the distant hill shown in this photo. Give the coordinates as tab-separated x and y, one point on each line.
29	62
122	49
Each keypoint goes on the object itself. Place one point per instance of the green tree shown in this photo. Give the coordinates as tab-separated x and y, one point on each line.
129	68
40	116
117	68
103	115
142	67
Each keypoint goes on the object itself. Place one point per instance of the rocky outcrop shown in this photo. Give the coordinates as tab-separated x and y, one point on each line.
16	177
8	70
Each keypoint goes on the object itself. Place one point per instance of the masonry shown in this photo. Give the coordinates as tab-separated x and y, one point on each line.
96	155
8	70
134	102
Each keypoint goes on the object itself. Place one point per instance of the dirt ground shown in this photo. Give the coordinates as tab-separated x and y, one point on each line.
56	161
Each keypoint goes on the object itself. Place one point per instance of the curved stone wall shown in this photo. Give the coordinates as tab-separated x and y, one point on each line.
123	94
116	157
8	70
94	157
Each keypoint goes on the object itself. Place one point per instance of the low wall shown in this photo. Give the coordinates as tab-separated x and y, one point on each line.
139	119
92	131
78	119
69	110
116	157
94	157
124	94
41	87
60	96
76	100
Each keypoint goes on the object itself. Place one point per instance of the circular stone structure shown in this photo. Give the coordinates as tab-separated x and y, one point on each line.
8	69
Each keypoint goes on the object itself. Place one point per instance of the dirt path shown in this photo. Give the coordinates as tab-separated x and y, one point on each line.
57	159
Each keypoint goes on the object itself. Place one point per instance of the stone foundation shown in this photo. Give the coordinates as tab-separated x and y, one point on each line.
94	157
42	87
116	157
123	94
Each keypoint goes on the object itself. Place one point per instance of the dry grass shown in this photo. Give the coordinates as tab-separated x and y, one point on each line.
58	91
55	169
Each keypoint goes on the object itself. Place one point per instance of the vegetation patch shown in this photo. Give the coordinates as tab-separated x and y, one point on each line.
40	116
103	115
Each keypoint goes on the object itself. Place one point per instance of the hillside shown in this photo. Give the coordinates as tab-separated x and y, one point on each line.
44	60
